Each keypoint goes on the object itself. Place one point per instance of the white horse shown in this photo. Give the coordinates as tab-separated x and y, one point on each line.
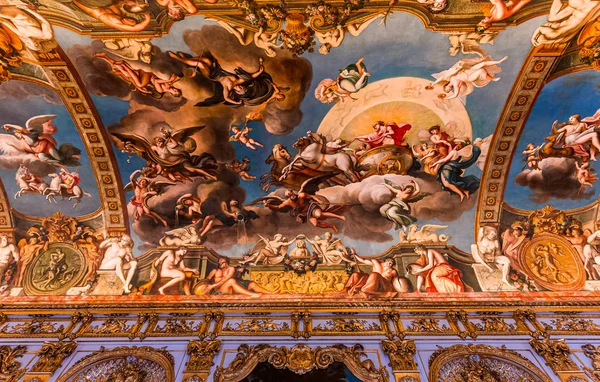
311	155
57	187
26	187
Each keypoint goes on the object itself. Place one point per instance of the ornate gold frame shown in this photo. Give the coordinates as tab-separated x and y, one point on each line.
443	355
300	359
159	356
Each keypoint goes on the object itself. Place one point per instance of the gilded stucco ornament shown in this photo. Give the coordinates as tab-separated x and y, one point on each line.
10	368
52	354
465	363
557	355
140	364
300	359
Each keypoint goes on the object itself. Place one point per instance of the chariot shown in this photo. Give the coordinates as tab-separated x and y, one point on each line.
387	159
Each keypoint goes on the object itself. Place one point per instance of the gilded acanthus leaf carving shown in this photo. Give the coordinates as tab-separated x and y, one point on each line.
51	355
128	363
256	325
201	355
347	326
175	326
572	324
494	324
301	359
33	327
485	363
10	368
427	325
556	353
593	353
401	353
112	326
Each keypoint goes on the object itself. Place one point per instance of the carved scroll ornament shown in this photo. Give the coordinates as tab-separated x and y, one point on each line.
300	359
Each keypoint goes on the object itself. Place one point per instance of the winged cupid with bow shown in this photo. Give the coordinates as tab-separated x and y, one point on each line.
305	204
398	209
172	151
36	139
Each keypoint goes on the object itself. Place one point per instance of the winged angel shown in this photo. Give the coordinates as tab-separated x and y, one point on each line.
145	189
466	75
398	209
172	153
305	205
36	139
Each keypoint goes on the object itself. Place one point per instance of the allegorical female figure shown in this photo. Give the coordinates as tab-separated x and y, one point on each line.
435	274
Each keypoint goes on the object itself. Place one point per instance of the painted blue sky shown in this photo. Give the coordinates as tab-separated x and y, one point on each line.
575	93
17	112
389	51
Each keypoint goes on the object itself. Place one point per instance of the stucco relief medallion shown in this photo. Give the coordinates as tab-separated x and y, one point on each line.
55	270
552	262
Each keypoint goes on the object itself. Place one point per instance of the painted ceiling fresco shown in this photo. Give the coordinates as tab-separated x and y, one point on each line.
356	149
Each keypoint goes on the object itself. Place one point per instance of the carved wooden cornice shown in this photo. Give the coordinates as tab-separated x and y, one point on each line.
390	324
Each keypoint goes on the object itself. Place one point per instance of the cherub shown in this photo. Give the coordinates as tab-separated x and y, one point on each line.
241	136
584	174
397	210
500	11
333	38
361	149
147	83
263	40
532	157
145	189
176	9
241	169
